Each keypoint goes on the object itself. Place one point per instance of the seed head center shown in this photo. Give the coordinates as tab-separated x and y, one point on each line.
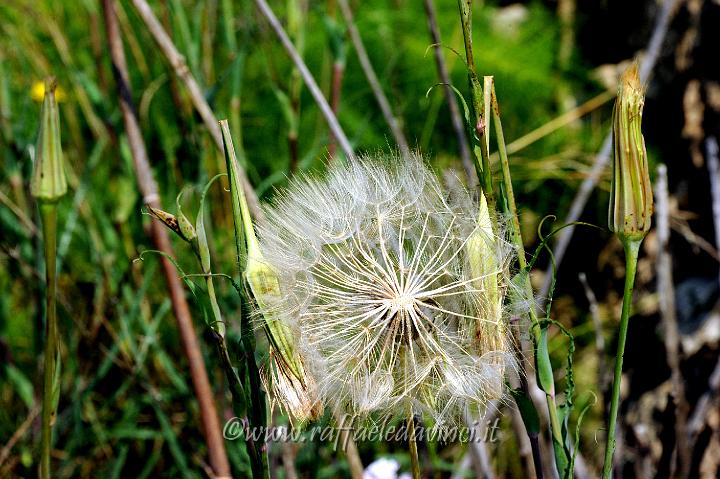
403	301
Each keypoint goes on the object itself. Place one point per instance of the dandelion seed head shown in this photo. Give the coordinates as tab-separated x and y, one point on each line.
393	285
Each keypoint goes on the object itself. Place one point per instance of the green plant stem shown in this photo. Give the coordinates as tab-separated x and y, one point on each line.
412	442
482	163
257	412
48	212
555	426
632	247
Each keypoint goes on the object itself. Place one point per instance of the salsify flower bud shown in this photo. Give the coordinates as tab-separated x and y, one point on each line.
292	386
484	250
631	197
48	182
394	286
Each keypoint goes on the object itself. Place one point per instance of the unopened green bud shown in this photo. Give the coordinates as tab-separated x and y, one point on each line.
290	382
631	198
294	388
483	258
48	182
483	262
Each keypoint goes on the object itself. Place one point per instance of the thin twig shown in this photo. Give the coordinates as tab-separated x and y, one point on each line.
24	219
307	77
372	78
455	116
602	377
148	188
666	294
713	166
699	416
697	421
601	160
559	122
19	433
177	61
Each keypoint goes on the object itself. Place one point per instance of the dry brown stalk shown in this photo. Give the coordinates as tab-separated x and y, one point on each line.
159	236
177	62
372	78
666	295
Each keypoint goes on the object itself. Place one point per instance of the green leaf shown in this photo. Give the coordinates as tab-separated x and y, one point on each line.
544	371
23	386
527	409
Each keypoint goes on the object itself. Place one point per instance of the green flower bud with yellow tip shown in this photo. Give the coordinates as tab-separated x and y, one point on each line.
48	183
631	198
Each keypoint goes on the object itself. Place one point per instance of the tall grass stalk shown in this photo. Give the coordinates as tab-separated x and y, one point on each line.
310	82
372	78
146	182
412	442
48	186
539	340
177	62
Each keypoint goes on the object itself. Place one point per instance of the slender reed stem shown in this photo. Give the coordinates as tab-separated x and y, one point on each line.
48	213
412	442
177	61
310	82
372	78
555	427
632	247
673	347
